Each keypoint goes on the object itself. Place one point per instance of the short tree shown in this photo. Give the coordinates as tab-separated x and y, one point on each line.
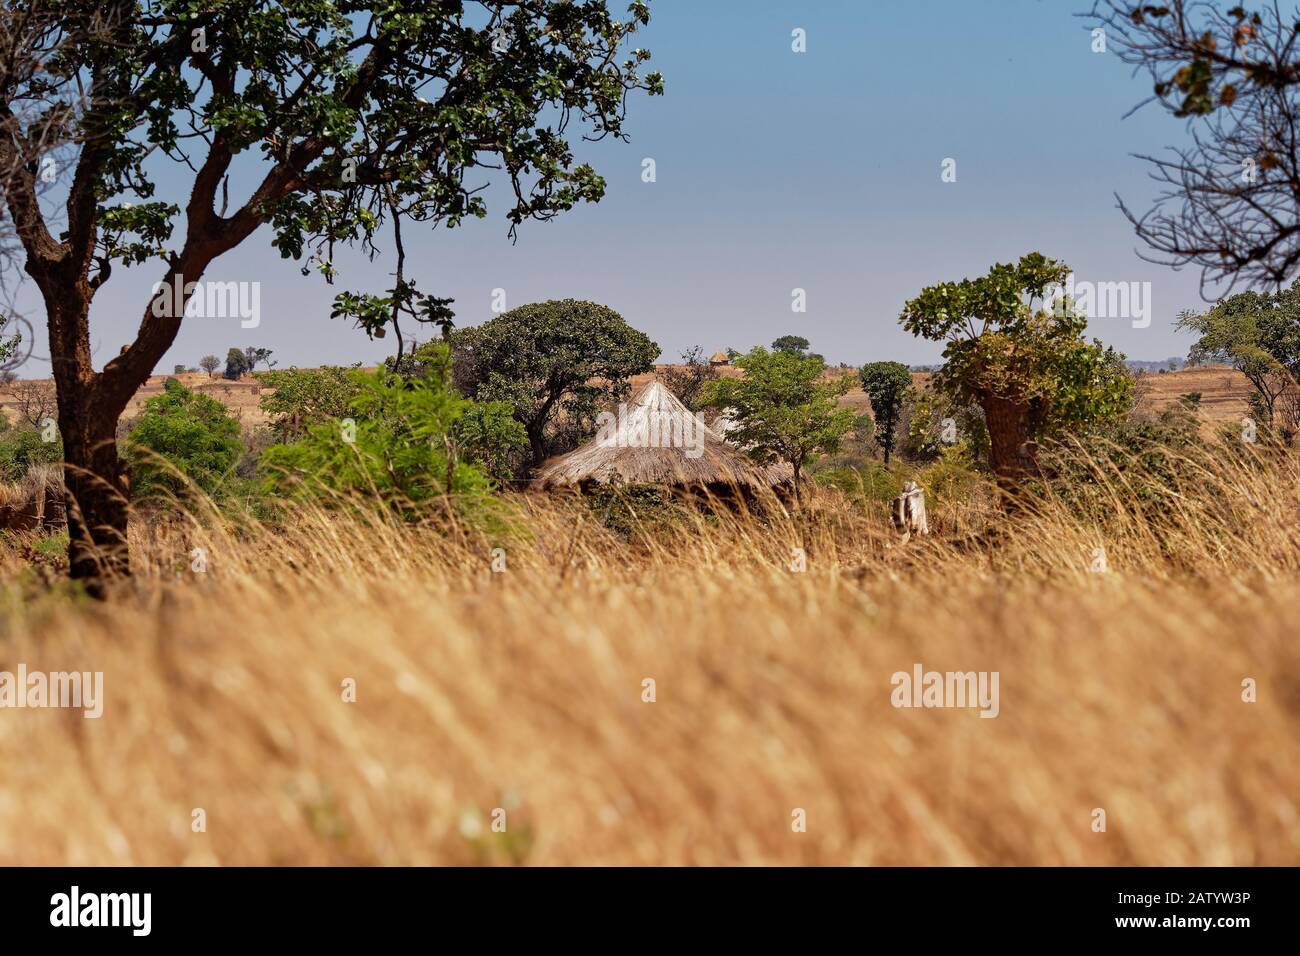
488	434
791	345
1027	366
687	380
1257	333
209	363
547	359
399	451
35	402
236	364
887	385
182	437
296	399
254	357
783	409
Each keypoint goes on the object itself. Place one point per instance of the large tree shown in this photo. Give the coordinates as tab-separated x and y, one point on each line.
1020	357
328	120
1230	199
549	359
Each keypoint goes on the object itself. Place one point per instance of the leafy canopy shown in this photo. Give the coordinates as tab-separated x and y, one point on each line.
360	114
887	384
1257	333
783	409
182	435
1003	341
550	358
395	447
297	398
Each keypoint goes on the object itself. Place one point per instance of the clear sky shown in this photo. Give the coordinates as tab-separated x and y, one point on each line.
779	170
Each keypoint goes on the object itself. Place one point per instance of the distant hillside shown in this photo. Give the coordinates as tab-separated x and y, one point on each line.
1159	365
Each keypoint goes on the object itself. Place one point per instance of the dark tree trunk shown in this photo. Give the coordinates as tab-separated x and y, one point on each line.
1008	425
96	499
96	492
537	443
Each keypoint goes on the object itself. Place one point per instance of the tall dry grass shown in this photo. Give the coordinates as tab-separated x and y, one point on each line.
522	689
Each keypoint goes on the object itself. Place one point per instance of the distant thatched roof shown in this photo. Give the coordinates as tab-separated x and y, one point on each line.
720	358
656	440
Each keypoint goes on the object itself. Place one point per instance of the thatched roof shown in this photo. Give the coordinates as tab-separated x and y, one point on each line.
656	440
720	358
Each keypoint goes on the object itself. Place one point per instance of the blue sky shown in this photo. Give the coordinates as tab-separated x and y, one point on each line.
778	170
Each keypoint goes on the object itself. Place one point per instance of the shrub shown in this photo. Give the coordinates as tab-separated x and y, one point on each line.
489	434
23	448
182	437
397	449
305	397
868	480
1156	461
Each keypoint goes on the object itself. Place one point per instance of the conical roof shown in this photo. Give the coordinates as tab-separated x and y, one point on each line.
656	440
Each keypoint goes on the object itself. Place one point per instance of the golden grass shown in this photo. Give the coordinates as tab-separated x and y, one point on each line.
522	690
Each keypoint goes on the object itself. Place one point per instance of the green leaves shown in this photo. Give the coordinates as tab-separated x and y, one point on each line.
783	409
355	109
887	384
547	358
181	437
399	450
1003	348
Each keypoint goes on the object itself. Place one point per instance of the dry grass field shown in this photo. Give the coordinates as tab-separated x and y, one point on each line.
522	689
1225	392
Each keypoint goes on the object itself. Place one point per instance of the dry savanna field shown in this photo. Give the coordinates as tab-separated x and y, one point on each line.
342	688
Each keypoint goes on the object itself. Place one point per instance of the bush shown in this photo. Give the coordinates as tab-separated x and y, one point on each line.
935	422
634	512
868	480
953	477
397	448
23	448
488	434
306	397
182	437
1153	459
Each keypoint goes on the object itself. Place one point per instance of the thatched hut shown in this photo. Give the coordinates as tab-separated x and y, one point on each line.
656	440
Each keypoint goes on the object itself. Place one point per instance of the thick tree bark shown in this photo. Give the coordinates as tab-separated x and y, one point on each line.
536	442
96	498
1008	425
96	492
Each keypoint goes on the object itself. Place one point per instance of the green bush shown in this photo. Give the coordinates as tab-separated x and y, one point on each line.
397	448
180	438
867	480
1149	456
306	397
22	448
634	512
489	434
954	476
